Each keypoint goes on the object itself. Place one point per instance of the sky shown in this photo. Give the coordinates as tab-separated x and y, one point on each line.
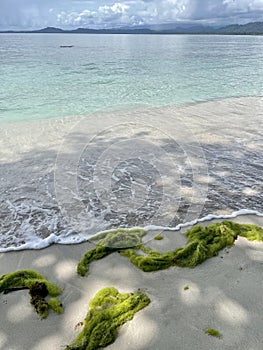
68	14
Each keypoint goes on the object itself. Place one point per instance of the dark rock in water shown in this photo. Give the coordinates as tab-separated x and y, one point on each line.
66	46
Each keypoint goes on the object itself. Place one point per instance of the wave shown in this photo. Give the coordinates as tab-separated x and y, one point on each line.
71	238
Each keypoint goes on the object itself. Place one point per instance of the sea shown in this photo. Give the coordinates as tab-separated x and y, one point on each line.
118	131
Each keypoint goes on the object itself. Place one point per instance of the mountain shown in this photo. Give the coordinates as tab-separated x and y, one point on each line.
111	31
53	30
252	28
49	30
176	26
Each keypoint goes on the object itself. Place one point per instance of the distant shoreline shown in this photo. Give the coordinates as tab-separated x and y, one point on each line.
251	28
131	33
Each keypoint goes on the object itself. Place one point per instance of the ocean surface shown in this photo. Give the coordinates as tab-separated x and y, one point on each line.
39	79
126	130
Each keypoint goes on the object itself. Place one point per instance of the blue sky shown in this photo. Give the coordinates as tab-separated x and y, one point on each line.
33	14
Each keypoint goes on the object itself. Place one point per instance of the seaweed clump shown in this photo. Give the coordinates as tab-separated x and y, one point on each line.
109	309
251	232
202	243
110	242
39	288
213	332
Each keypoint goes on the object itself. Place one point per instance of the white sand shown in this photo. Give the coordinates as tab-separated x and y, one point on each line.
224	293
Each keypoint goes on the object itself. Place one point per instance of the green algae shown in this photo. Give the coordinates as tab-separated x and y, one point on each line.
39	288
158	237
109	309
252	233
27	278
202	243
40	305
110	242
55	305
186	287
213	332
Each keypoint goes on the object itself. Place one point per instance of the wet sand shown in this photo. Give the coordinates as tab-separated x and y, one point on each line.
156	166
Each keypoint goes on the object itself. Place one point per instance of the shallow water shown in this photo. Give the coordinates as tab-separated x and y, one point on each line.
152	155
39	79
71	178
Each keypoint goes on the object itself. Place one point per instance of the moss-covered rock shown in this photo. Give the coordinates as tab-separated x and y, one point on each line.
39	288
109	309
202	243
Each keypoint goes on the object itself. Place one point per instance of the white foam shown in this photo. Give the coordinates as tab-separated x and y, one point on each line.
72	238
205	218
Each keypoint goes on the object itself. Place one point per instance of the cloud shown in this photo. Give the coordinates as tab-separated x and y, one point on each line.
243	6
116	8
75	18
115	14
27	14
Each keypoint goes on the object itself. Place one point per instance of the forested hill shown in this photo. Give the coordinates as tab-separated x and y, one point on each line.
252	28
255	28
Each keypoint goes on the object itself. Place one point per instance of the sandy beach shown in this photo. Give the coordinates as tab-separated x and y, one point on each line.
136	139
225	293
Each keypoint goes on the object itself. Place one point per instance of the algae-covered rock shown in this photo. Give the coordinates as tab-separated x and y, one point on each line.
202	243
39	288
109	309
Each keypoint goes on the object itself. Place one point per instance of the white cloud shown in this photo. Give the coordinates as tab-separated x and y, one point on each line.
243	5
116	8
115	14
109	13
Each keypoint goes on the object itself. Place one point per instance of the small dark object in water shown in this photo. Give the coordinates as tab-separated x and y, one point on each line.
66	46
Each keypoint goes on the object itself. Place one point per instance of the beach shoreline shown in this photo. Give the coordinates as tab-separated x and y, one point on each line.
224	293
194	159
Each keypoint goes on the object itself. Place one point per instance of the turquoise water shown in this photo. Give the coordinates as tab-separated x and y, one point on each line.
101	72
149	167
